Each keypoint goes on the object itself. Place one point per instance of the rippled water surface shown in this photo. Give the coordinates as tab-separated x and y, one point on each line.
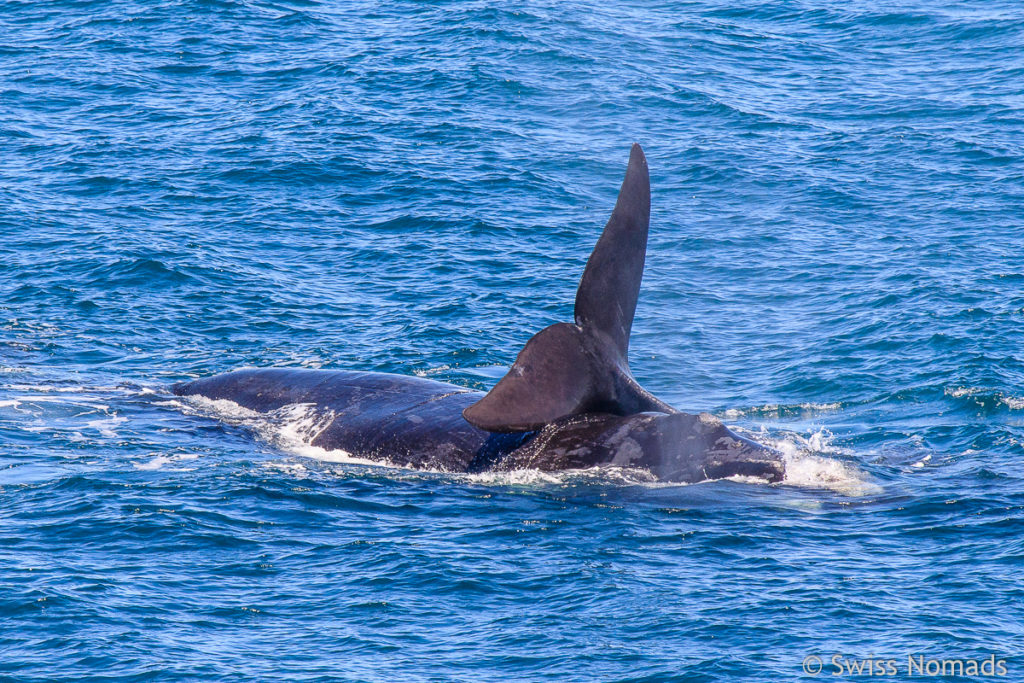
835	267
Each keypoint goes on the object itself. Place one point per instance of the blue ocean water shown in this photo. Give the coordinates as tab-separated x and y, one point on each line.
192	186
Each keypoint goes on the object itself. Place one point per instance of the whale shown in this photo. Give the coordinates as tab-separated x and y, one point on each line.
568	402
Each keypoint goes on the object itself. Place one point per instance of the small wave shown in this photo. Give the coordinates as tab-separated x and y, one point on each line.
986	397
148	272
86	416
780	410
78	401
430	372
56	407
71	389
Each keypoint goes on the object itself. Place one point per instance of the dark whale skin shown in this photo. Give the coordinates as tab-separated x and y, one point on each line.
406	421
415	422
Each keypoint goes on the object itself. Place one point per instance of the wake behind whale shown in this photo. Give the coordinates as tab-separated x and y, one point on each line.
568	402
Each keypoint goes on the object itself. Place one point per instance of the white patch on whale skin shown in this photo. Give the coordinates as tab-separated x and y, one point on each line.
628	451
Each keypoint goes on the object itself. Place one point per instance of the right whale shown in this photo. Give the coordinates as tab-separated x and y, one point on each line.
568	402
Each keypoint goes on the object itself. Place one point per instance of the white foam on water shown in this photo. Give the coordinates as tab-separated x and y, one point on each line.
1011	402
106	427
225	410
299	424
292	428
73	389
747	479
158	462
778	409
78	401
808	465
428	372
531	477
518	477
835	405
289	467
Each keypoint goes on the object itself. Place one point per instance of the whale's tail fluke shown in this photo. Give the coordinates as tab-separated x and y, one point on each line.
568	369
608	291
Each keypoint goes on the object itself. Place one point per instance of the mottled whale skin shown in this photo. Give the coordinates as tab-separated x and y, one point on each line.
568	402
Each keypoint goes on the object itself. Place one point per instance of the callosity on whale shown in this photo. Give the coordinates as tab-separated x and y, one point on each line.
569	401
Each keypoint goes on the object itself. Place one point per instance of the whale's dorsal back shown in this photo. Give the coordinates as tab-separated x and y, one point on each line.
568	369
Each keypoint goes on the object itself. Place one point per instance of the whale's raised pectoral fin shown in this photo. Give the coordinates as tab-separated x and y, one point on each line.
568	369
